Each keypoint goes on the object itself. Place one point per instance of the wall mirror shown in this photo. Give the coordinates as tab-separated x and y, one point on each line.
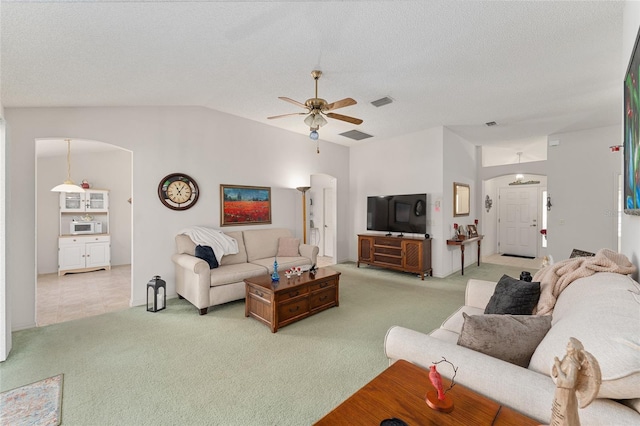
460	199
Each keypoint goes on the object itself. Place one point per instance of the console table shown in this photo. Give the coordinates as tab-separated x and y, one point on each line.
462	243
399	391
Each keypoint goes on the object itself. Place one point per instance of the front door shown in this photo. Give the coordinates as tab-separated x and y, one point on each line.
517	221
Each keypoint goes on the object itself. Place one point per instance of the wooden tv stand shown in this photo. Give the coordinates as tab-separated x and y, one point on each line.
405	254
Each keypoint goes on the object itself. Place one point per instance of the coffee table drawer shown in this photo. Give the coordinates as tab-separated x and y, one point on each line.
326	297
260	293
295	292
293	309
323	284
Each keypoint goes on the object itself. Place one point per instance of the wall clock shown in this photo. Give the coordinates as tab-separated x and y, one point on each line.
178	191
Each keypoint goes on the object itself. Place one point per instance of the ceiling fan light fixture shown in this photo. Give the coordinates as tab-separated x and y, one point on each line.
315	119
314	135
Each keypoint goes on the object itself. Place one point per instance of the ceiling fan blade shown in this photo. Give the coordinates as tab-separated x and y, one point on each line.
346	118
340	104
300	104
286	115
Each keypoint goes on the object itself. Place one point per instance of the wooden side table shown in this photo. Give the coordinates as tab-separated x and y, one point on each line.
462	243
400	390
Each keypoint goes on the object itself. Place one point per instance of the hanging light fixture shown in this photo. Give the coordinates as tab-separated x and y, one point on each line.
68	185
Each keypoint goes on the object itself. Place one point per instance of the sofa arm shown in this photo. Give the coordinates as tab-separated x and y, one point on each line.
310	252
193	279
478	293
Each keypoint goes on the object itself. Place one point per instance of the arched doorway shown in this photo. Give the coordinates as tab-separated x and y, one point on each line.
513	211
77	295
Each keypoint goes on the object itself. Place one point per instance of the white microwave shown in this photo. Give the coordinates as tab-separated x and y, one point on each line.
86	228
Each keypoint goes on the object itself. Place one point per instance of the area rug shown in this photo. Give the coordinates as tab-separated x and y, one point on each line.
35	404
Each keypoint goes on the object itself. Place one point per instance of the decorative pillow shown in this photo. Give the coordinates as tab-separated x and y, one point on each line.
511	338
206	253
288	247
513	297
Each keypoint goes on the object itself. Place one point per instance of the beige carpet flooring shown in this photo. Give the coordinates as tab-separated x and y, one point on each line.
175	367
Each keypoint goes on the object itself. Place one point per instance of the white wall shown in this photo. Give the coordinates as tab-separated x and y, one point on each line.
630	224
408	164
212	147
460	165
583	184
105	170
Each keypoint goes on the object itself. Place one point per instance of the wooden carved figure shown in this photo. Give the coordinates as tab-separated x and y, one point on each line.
577	378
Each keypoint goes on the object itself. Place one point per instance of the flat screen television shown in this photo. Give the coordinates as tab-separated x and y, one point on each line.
632	133
397	213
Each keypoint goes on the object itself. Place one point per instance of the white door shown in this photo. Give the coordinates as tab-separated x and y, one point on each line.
329	203
517	221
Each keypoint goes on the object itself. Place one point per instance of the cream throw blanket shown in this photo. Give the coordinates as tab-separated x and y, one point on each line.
220	242
555	278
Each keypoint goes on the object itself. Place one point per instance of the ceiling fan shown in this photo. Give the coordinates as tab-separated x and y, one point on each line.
317	108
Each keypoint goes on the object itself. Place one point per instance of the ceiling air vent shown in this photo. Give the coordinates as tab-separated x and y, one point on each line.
491	123
382	101
355	135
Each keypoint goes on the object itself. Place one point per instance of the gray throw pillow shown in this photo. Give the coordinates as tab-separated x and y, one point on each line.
514	297
511	338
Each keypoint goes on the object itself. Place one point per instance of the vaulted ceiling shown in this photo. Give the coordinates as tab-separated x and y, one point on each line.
534	67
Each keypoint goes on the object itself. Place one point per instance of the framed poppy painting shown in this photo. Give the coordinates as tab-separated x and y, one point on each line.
245	205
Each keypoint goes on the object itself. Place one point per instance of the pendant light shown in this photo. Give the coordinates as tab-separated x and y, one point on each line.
68	185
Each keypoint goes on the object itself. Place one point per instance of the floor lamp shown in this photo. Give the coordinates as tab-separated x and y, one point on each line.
304	190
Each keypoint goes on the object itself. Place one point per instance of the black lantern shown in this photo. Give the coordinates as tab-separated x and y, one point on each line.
156	299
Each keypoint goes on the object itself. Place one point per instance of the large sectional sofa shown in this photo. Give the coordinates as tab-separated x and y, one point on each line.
257	250
602	311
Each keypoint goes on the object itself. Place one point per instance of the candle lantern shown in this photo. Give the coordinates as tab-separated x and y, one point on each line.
156	294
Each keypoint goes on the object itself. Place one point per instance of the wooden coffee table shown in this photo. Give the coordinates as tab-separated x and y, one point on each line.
399	392
277	304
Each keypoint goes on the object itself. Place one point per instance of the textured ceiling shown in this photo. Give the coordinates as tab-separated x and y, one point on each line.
533	67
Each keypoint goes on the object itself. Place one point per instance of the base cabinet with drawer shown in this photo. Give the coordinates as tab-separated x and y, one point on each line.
82	253
399	253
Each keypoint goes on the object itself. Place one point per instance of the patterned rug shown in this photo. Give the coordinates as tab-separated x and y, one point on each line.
35	404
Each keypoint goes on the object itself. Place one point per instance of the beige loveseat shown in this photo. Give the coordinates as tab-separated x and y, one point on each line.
257	249
602	311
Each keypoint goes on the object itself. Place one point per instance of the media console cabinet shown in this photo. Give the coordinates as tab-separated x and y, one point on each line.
405	254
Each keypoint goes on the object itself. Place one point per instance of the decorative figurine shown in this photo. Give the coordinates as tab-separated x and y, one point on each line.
438	398
275	277
577	378
436	381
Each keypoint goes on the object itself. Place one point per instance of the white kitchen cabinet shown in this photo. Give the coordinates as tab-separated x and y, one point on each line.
83	253
92	200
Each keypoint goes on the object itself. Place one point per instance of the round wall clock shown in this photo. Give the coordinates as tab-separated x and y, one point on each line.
178	191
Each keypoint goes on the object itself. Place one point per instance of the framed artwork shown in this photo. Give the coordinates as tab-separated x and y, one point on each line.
632	133
245	205
472	230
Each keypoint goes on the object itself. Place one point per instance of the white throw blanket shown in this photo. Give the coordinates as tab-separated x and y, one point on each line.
220	243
